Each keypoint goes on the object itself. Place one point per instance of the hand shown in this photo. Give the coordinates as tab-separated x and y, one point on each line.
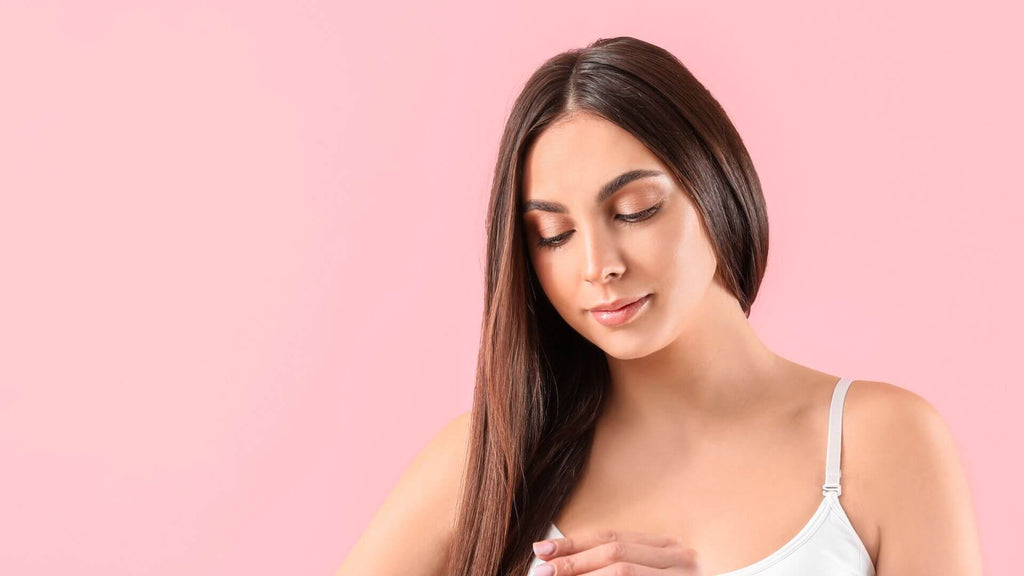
613	552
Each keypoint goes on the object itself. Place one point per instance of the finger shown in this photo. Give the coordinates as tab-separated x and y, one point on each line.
686	569
573	544
618	553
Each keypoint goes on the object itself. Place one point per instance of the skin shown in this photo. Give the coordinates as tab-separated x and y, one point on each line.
710	452
717	423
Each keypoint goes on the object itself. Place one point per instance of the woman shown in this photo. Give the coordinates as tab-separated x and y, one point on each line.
662	437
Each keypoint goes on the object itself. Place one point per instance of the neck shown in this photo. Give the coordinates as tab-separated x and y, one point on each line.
716	371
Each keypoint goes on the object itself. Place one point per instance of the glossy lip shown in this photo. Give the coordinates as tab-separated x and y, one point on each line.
614	304
621	315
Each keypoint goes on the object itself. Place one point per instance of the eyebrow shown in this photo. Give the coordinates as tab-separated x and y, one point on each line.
607	190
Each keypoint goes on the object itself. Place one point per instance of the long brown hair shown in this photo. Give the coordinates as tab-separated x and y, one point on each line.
540	385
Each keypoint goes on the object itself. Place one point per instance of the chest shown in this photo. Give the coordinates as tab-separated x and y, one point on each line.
735	501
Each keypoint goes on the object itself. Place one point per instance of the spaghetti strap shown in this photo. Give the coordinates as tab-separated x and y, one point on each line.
835	438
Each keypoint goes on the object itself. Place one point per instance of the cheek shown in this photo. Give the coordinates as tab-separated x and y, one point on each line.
560	285
659	250
689	265
555	279
675	256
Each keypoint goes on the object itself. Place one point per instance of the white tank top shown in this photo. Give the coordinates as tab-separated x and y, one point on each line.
827	543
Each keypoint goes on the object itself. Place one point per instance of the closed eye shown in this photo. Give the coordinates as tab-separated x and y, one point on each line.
554	242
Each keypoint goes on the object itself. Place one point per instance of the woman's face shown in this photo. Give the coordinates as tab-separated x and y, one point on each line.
594	254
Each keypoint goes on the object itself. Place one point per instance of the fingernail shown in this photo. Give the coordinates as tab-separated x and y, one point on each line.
543	547
544	570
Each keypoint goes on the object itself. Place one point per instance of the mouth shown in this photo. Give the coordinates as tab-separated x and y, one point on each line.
613	305
622	314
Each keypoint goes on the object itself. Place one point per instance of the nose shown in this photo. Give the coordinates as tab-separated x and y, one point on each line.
603	260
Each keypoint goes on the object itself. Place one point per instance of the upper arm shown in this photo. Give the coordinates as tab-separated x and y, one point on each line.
925	516
410	533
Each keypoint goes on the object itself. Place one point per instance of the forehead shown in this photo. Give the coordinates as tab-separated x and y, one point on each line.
580	155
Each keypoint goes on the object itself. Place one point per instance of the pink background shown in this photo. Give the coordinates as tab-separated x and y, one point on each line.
242	246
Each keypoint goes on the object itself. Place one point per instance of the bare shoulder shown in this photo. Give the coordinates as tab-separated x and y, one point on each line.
909	478
887	422
411	530
884	424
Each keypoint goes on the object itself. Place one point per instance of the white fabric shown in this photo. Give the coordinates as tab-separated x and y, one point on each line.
827	543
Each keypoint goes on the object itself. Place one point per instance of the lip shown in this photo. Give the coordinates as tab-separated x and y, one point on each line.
626	311
615	304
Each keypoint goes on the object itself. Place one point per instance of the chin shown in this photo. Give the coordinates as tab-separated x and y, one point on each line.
632	354
623	347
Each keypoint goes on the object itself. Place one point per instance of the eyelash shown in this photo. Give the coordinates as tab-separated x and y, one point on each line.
635	218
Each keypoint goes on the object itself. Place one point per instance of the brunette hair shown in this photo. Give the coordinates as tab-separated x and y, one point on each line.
540	385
